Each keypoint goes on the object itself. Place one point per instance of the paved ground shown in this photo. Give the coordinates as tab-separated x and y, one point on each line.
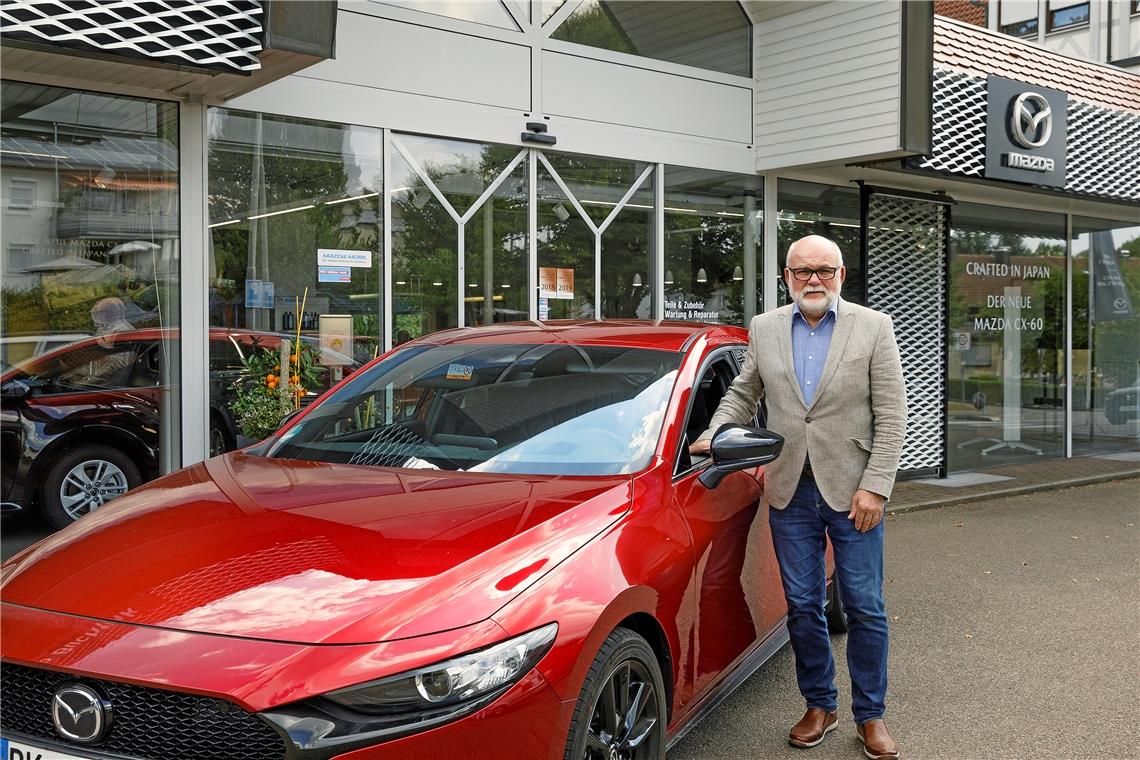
1015	635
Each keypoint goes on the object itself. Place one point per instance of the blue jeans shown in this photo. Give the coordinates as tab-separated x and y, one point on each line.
798	536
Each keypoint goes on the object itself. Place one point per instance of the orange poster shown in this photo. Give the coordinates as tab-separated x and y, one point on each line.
565	284
548	282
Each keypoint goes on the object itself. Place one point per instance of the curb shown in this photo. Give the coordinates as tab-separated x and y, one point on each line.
1013	491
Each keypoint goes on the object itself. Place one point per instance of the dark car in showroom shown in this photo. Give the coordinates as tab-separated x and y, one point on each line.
488	543
81	424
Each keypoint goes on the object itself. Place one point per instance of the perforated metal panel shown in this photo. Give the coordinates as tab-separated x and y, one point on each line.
1100	157
1103	152
225	34
959	128
906	278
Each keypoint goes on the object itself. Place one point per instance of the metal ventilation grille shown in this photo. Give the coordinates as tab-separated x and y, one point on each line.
224	34
909	236
1103	157
1100	157
959	125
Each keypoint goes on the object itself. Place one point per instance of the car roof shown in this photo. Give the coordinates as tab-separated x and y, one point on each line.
663	335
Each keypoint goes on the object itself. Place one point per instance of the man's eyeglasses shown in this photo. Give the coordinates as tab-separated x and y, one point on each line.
804	274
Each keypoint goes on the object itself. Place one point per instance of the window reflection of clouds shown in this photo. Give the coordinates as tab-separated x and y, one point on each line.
637	420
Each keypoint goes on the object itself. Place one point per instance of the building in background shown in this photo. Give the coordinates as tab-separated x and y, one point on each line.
409	167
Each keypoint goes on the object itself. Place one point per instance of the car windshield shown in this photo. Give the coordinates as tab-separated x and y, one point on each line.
524	409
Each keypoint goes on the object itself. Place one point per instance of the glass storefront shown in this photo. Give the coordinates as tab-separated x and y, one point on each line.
89	307
1007	336
595	237
459	234
713	237
1106	336
295	239
809	208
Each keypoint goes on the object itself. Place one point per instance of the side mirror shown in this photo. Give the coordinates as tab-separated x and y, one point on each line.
739	447
15	390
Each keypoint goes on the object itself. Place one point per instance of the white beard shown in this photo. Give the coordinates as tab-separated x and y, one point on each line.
815	309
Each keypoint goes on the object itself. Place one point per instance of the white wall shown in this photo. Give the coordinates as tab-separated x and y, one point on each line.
834	70
413	71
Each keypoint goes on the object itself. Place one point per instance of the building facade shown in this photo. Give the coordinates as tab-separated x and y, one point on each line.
369	172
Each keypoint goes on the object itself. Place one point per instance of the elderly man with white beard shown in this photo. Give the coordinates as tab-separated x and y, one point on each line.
830	373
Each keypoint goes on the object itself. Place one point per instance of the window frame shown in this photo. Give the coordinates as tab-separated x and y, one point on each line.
721	352
30	184
1051	26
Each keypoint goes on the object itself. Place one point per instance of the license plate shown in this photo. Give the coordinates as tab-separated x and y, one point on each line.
13	750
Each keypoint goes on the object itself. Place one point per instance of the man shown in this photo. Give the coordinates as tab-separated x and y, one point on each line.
110	316
831	375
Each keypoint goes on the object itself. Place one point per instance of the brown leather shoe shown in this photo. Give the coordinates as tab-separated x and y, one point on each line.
812	727
877	742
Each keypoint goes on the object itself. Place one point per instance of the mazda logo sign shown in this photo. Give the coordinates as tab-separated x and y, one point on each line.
80	713
1030	120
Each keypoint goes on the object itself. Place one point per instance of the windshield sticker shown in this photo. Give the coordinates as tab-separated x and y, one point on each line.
460	371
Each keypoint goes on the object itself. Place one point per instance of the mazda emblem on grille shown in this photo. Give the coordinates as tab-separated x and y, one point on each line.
80	713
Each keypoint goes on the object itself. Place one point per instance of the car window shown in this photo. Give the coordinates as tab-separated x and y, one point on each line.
224	355
88	367
528	409
710	389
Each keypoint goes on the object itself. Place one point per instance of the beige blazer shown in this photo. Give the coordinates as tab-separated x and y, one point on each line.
855	425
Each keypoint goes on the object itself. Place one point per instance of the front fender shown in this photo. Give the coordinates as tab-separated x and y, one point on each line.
642	565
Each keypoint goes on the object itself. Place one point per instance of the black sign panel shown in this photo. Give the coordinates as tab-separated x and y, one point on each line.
1025	132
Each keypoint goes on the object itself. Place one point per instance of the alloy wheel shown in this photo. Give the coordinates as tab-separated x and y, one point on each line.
89	485
623	720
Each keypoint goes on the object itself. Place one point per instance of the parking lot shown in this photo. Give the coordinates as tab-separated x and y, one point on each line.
1014	636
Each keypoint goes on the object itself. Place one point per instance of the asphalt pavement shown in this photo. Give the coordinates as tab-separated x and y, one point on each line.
1015	634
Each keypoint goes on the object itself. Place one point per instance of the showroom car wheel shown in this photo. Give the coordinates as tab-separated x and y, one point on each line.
220	441
836	617
84	480
621	711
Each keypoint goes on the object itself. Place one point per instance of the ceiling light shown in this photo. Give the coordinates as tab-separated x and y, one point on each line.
276	213
420	198
668	276
637	280
561	212
737	274
702	275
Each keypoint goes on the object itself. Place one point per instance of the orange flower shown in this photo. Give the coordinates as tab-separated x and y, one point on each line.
295	379
270	377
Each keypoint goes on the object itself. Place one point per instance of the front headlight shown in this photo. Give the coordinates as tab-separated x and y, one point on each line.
416	700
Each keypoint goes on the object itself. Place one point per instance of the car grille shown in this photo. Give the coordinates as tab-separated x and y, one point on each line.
147	723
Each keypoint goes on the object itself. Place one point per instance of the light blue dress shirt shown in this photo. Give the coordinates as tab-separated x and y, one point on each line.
809	348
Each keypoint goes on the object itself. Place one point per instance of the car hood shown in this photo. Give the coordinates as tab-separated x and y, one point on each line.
309	552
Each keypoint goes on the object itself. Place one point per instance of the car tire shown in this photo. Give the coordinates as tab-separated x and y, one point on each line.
220	440
107	471
836	616
626	669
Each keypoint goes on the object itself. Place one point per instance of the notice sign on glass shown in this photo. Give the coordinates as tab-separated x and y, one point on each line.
336	339
337	257
555	282
334	274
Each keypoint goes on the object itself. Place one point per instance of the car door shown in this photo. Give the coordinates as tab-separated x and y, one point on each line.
739	598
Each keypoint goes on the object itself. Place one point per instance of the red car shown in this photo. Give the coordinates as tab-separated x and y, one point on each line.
488	543
82	424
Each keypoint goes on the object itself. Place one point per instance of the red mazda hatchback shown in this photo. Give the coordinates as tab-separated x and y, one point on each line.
489	543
